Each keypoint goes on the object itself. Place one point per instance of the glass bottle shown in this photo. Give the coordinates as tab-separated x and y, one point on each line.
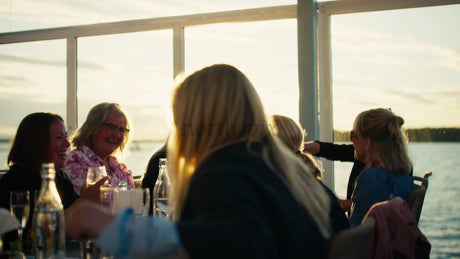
48	222
160	191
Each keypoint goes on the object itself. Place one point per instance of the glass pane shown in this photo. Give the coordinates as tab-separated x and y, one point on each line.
265	51
406	60
19	15
32	79
134	70
409	61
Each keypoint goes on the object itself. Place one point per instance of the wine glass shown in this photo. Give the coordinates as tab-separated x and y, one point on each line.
88	247
95	174
19	207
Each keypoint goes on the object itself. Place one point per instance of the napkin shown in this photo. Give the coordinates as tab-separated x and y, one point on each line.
7	221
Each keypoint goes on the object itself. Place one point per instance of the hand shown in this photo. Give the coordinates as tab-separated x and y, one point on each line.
92	192
311	147
85	219
345	204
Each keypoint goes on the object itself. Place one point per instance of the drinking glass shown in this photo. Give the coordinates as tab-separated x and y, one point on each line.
140	200
106	197
19	207
95	174
136	199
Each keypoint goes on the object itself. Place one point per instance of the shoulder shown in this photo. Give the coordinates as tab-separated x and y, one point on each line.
20	180
83	154
240	156
233	166
372	174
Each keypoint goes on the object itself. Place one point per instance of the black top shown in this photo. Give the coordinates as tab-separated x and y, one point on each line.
238	207
339	220
18	180
151	173
344	153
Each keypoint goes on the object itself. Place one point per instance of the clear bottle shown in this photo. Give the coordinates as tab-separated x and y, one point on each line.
49	227
160	192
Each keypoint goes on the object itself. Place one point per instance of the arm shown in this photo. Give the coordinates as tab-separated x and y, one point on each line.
342	152
123	236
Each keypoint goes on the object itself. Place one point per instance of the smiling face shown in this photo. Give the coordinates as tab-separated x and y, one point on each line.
110	136
57	151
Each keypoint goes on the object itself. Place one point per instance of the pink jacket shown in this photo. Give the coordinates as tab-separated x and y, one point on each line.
397	234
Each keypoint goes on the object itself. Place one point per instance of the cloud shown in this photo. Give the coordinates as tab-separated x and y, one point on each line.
47	62
388	49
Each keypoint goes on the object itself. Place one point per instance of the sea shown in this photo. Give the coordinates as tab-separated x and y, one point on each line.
440	218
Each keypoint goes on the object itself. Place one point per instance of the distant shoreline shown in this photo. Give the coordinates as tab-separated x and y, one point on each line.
414	134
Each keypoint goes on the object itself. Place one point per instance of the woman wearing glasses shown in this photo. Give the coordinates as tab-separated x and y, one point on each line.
381	144
104	133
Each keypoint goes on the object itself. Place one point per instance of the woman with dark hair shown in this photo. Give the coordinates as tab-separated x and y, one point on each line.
40	138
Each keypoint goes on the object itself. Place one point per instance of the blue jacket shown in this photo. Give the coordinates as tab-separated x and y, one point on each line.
375	185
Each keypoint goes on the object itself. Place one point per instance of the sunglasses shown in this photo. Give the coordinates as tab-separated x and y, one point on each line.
353	135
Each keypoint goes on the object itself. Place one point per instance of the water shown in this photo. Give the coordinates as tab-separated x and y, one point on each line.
160	207
21	212
49	233
440	219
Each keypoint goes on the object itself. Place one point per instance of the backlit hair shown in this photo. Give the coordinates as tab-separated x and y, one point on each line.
288	131
292	135
218	106
388	139
30	145
94	122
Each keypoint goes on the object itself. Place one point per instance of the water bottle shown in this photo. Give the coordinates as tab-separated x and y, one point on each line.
160	191
48	222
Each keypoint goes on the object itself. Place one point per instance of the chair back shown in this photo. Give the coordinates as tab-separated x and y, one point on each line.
417	196
352	243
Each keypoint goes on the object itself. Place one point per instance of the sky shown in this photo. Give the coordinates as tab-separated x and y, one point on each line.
408	60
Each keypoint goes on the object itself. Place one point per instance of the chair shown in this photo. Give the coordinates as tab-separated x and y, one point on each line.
417	196
352	243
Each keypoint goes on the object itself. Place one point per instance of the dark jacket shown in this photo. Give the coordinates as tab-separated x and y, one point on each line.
238	207
18	180
344	153
151	173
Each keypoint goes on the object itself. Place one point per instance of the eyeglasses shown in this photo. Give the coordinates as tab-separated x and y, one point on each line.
113	127
353	135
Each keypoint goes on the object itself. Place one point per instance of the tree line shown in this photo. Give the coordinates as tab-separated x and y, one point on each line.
416	135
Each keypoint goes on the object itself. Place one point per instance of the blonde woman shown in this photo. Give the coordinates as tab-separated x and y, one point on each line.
237	193
381	144
104	132
292	134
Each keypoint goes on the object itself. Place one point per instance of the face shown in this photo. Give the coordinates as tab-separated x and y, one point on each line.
110	136
360	146
59	144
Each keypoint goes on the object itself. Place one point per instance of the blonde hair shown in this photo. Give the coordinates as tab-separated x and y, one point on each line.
288	131
94	122
218	106
388	140
292	135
